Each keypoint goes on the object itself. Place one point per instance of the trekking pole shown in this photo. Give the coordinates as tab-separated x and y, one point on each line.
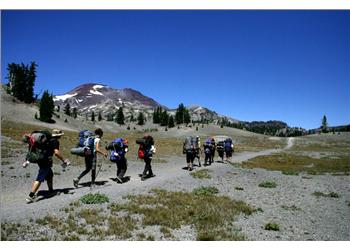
100	166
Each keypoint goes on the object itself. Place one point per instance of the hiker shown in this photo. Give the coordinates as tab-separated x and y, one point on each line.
212	149
207	152
118	149
189	150
49	148
197	150
91	159
145	152
221	149
228	145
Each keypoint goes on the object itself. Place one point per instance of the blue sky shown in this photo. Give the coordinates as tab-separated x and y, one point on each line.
285	65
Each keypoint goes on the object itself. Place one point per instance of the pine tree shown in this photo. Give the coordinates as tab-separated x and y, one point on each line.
132	119
187	117
120	116
21	81
164	118
179	115
140	119
324	126
46	107
67	109
157	115
171	122
99	116
93	116
75	113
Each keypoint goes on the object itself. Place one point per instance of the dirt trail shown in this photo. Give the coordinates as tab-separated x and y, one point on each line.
13	194
240	157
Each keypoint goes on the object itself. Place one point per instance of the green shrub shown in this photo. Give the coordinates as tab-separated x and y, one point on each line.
272	226
201	174
94	198
331	194
290	172
268	184
206	191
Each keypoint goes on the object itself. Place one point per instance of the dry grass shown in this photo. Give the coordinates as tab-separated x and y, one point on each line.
292	163
209	213
201	174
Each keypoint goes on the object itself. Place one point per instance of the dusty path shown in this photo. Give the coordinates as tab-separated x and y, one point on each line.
240	157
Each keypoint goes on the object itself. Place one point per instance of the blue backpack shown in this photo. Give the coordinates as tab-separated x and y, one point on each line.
86	139
228	144
119	148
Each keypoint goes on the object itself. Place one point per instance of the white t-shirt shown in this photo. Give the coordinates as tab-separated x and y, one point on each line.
97	140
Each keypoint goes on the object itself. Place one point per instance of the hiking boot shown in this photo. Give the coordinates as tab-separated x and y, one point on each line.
75	182
143	177
150	175
119	180
31	199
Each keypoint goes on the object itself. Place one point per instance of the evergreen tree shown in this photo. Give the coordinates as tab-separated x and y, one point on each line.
21	81
132	119
140	119
58	108
182	115
171	122
110	117
67	109
120	116
75	113
93	116
99	116
46	107
157	115
324	126
164	118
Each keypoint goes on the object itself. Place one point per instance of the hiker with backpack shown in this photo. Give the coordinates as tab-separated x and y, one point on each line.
189	150
145	152
207	151
220	147
197	150
91	146
212	149
228	145
42	146
118	149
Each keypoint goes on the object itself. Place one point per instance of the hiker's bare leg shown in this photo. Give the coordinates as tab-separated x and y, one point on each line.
35	186
49	183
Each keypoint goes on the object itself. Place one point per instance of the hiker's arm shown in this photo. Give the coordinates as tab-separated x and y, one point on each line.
59	156
98	150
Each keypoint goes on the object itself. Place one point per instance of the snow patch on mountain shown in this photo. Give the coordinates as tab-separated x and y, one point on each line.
95	92
63	97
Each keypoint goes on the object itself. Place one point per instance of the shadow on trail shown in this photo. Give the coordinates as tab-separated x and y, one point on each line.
124	179
88	184
45	194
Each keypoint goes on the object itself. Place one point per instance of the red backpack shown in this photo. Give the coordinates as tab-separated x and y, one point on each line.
141	152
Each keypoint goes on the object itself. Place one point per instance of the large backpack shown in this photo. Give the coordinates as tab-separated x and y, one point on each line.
145	145
117	146
228	144
188	145
220	146
85	145
38	145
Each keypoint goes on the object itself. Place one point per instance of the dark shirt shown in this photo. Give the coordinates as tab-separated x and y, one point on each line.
50	150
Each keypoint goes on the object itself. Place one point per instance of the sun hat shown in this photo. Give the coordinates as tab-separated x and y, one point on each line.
57	133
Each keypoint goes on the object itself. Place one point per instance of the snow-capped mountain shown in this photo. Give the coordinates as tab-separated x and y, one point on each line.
102	98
